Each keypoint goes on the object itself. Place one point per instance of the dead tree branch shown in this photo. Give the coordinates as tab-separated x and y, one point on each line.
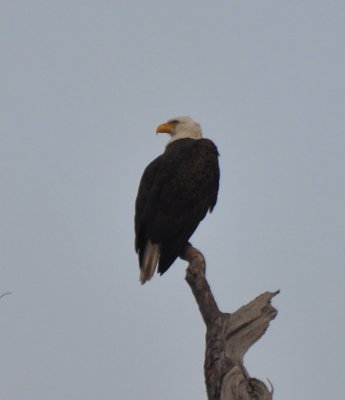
228	336
5	294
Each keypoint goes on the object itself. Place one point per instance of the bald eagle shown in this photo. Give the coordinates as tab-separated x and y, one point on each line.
175	193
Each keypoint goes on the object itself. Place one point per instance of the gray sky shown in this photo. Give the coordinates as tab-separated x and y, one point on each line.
83	86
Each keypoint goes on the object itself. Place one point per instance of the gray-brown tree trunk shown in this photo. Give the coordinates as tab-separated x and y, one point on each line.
228	337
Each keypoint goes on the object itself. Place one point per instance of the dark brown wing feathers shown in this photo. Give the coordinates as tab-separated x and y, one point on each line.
175	193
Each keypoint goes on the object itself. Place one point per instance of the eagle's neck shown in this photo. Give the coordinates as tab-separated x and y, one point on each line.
184	134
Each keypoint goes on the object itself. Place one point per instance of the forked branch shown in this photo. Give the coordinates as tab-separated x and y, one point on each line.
228	336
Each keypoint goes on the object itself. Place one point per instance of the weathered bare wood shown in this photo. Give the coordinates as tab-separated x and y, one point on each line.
195	276
228	336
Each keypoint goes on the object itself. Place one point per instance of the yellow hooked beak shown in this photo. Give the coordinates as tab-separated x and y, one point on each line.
165	128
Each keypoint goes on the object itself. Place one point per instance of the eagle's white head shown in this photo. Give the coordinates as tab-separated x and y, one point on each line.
180	128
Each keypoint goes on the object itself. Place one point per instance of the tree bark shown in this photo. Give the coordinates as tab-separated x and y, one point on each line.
228	336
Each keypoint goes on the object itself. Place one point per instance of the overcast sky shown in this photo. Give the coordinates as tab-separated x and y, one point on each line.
83	86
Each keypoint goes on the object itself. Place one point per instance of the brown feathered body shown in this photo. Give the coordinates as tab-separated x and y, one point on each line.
176	191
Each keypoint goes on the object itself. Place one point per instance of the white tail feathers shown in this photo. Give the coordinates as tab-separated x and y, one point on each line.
150	261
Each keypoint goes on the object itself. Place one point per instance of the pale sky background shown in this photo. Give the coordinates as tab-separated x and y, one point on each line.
83	86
